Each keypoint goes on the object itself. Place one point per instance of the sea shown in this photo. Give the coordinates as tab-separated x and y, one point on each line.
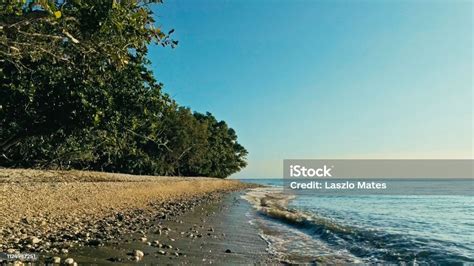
406	228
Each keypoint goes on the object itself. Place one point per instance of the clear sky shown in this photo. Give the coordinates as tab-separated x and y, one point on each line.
325	79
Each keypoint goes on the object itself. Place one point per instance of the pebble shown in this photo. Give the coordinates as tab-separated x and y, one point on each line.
161	252
56	260
94	232
34	240
11	251
69	261
138	253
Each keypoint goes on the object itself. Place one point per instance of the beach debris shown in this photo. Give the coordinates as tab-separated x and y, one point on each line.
69	261
138	254
58	237
167	246
11	251
228	251
34	240
56	260
161	252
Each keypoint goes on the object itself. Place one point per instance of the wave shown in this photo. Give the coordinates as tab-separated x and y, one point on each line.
372	246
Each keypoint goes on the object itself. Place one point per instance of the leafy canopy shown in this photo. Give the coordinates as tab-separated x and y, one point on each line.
76	92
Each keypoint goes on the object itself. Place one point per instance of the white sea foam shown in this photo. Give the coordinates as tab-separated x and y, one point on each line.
284	241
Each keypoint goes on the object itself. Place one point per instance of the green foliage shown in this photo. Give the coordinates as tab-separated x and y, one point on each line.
75	92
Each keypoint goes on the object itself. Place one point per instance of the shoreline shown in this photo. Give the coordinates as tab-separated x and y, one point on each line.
215	231
58	213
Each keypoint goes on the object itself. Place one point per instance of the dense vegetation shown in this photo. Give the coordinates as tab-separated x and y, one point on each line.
76	92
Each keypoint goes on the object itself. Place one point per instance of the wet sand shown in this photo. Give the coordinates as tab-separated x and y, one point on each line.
215	232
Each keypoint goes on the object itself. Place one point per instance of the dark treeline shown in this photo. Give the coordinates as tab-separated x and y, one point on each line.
76	93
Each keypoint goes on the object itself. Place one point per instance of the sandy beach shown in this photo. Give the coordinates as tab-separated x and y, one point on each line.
91	217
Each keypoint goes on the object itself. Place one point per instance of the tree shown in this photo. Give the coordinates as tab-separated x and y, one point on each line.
76	93
224	155
58	56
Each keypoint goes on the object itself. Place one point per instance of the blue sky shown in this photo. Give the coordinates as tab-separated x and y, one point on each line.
325	79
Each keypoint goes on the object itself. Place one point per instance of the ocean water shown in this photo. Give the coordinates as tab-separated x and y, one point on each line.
406	229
